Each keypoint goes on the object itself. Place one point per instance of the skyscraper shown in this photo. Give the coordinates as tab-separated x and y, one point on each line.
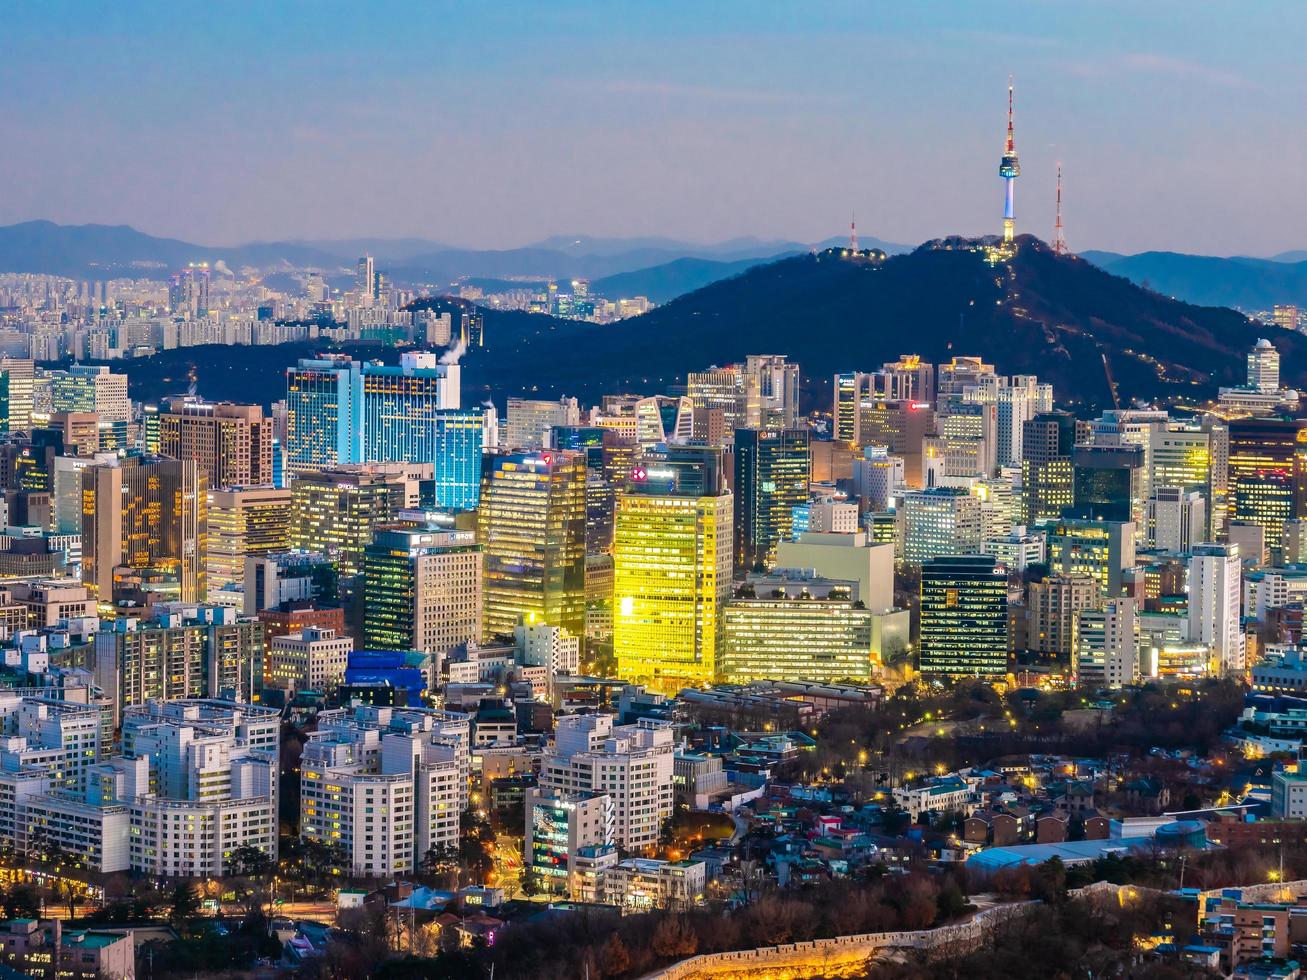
365	281
1009	169
1046	473
338	412
146	516
336	510
672	570
245	522
964	623
1108	482
1267	472
1214	605
772	470
232	443
531	523
422	589
1264	367
732	389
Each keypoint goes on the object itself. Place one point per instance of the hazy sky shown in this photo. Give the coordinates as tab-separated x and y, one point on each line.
1180	124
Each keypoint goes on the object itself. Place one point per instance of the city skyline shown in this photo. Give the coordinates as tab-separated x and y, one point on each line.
495	127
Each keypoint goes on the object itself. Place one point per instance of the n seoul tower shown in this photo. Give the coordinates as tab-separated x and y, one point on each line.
1009	169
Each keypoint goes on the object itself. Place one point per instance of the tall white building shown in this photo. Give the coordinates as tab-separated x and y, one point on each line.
1107	644
1264	367
631	763
1214	604
529	421
385	784
1176	520
941	521
878	477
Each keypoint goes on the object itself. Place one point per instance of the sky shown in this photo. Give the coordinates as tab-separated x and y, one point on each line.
1178	123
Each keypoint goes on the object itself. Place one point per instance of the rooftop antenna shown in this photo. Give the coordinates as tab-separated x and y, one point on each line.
1059	236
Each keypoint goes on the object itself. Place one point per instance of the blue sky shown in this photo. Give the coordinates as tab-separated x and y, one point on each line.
1179	124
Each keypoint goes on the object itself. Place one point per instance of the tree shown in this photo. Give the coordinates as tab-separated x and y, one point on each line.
71	893
531	884
615	959
673	938
185	905
22	902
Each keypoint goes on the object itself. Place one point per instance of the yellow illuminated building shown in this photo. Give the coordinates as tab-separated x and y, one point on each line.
531	522
672	564
245	522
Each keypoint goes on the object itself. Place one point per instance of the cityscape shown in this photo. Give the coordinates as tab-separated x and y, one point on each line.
693	599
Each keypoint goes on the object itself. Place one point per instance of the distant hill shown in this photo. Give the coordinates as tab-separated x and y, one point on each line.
1039	313
104	251
1247	283
665	282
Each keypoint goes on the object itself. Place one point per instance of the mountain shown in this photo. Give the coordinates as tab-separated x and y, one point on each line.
1038	313
382	249
745	247
1246	283
104	251
1295	255
662	283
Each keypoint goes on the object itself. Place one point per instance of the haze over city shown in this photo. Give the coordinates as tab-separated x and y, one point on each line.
494	125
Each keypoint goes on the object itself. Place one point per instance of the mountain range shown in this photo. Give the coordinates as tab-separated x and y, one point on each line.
108	251
1058	316
1245	283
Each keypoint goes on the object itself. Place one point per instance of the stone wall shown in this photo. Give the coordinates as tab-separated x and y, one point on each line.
843	956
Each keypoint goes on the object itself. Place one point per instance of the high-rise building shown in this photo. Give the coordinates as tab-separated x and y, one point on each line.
1046	473
878	477
957	376
321	421
1268	472
365	280
245	522
530	420
16	383
796	627
422	589
1264	367
672	565
91	388
232	443
633	764
188	291
1016	403
1180	457
1108	482
146	515
1107	645
772	471
1285	316
940	521
1214	605
336	510
185	651
964	621
845	558
339	412
902	427
1052	607
1176	519
732	389
532	524
778	390
386	785
1102	550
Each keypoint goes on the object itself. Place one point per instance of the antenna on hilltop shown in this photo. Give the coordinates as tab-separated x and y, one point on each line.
1059	236
853	232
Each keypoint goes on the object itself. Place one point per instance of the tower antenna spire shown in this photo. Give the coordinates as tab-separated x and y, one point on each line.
853	232
1059	237
1009	168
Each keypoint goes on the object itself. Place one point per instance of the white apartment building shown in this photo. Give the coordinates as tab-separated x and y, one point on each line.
385	784
1214	604
197	780
313	661
631	763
